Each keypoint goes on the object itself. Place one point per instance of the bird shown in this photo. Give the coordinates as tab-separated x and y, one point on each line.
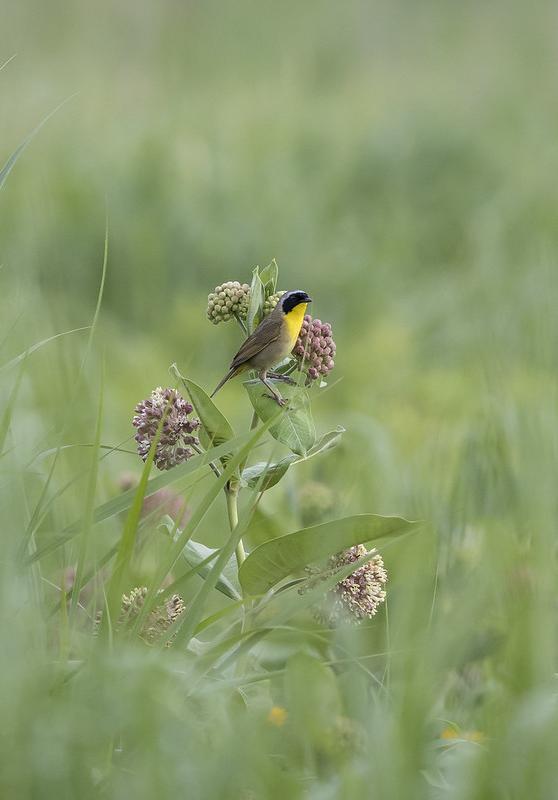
271	342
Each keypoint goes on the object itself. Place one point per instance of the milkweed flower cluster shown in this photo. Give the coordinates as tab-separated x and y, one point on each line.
228	300
232	299
315	348
176	439
271	302
359	595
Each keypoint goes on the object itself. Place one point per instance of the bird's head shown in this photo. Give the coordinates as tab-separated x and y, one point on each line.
291	300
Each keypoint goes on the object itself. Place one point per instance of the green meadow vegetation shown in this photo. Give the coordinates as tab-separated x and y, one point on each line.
170	632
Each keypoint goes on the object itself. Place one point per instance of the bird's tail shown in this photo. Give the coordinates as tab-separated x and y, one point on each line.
230	374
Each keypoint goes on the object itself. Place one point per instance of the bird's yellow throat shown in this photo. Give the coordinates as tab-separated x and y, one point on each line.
293	321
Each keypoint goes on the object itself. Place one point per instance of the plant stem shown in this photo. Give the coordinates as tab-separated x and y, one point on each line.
253	426
241	323
210	464
231	493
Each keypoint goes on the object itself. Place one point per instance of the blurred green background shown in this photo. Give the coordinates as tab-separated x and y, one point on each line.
399	161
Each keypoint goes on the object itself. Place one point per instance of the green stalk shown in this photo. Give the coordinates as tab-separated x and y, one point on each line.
231	492
232	501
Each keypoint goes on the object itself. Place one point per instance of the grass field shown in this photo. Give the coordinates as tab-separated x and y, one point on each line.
399	162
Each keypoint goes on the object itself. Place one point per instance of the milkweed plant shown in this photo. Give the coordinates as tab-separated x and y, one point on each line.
330	569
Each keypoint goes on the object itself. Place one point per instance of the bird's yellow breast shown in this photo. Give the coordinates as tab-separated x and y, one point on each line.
293	323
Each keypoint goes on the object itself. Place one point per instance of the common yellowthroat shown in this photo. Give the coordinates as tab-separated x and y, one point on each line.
272	341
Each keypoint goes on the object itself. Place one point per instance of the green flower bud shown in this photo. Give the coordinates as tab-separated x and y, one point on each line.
228	300
158	621
271	302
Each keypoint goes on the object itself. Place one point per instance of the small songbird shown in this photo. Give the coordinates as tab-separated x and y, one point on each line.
272	341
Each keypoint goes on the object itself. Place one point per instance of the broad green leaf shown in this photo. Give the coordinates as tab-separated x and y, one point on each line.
216	429
197	555
265	475
274	471
194	552
268	277
326	442
277	559
263	526
257	297
294	426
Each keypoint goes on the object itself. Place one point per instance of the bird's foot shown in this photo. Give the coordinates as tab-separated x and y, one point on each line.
277	376
279	400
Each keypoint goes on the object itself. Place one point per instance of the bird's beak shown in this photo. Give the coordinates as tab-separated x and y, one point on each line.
308	299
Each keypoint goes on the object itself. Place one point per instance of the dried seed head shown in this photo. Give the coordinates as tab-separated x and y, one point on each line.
158	620
228	300
176	434
132	604
162	617
315	348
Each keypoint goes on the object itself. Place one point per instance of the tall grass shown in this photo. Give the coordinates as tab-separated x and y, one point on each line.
399	162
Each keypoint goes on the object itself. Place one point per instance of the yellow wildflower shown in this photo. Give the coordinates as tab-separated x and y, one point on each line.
277	716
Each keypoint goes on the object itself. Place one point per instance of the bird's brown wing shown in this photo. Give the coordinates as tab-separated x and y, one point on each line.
267	332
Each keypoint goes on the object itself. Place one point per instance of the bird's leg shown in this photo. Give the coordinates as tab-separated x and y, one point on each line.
279	376
275	395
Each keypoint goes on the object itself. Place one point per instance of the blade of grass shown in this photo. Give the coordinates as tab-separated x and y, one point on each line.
43	507
5	64
11	162
89	505
89	575
8	411
93	325
35	520
177	585
16	360
123	502
56	450
37	510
